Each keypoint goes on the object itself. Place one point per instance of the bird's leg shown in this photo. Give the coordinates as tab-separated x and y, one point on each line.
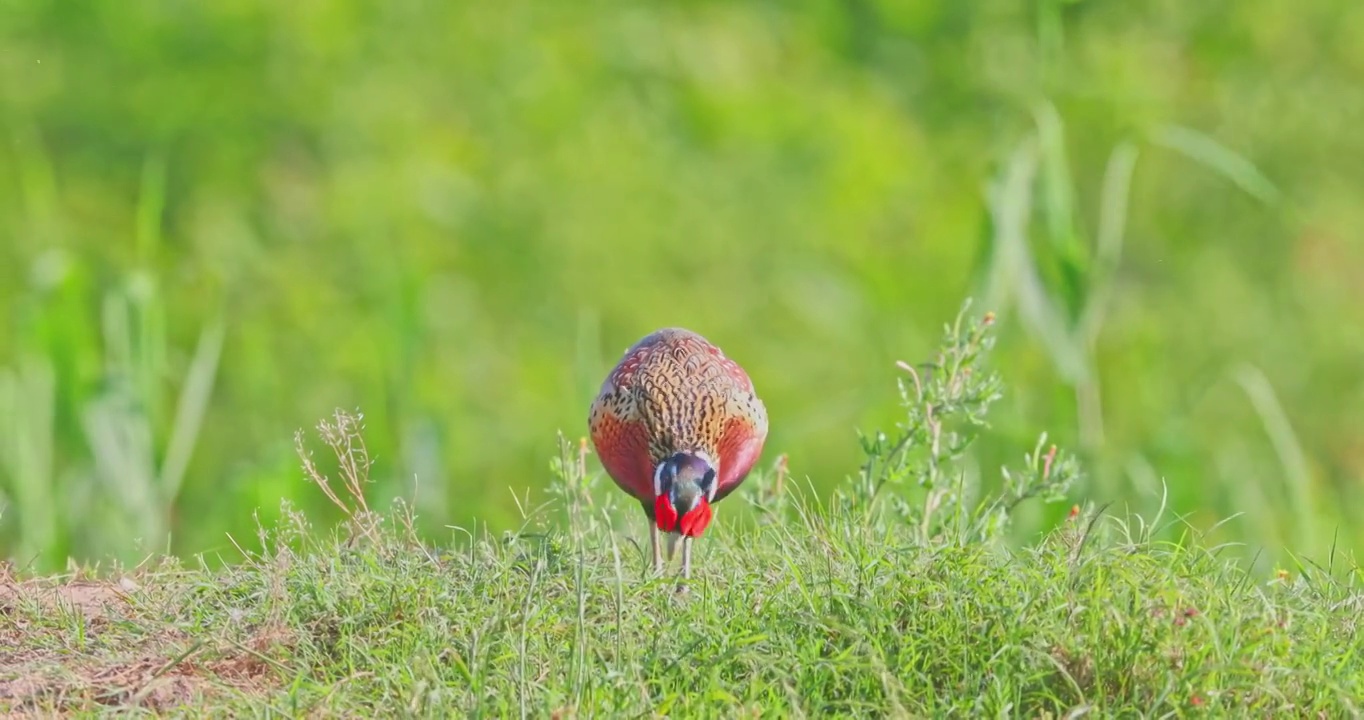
682	587
658	552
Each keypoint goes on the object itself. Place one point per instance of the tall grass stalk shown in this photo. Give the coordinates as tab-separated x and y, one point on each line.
27	477
104	361
1296	484
1064	311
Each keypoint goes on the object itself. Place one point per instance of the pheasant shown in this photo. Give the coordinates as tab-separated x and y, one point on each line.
678	426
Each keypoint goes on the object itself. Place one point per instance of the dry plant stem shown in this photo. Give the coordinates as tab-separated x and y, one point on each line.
658	551
933	497
344	435
582	466
782	470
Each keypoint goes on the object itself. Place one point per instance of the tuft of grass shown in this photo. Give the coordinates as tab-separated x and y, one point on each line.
865	605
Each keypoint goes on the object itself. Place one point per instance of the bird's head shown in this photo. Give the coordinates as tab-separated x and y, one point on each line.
683	487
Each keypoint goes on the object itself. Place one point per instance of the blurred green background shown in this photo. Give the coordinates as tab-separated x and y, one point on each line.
219	221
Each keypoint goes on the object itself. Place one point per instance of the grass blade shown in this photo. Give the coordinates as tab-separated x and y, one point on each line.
191	409
1212	154
1297	477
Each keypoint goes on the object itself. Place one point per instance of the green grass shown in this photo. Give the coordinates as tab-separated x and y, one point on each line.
897	595
814	615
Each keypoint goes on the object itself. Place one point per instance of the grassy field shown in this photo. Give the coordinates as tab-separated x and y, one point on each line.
222	221
822	614
896	596
219	221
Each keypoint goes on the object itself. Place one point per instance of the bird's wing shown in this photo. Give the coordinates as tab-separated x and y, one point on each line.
619	420
741	439
622	440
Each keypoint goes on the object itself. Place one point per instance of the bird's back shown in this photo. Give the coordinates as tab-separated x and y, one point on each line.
674	391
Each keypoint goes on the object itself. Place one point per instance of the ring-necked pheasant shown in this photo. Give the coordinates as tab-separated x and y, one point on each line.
678	426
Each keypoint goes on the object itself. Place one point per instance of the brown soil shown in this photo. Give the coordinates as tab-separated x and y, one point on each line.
66	646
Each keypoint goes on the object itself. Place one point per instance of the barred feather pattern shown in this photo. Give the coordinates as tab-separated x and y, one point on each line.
674	391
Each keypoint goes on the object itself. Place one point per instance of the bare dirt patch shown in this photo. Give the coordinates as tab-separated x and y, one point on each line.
66	646
89	598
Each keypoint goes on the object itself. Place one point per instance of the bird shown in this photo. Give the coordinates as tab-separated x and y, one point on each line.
678	426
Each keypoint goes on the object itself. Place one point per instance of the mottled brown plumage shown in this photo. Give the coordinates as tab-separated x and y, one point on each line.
674	416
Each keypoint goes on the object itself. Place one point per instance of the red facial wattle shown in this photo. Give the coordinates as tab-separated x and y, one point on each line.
695	521
665	515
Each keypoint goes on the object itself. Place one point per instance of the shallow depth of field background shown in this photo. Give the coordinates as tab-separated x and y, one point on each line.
220	221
